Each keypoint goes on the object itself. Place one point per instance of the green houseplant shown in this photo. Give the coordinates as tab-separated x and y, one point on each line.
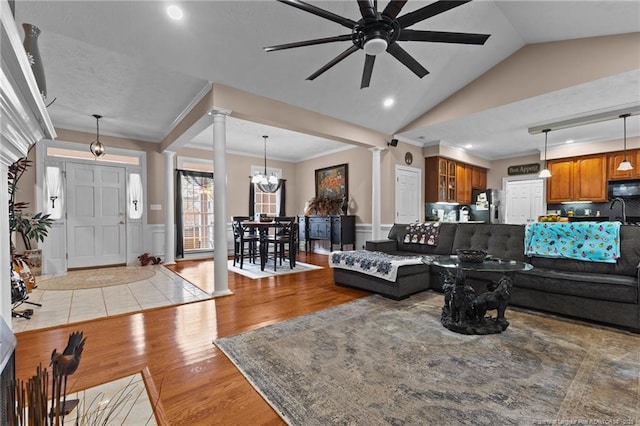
30	226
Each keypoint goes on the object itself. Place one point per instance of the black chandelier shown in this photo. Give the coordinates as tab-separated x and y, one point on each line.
265	182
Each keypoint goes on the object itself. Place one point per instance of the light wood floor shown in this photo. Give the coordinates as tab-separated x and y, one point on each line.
198	384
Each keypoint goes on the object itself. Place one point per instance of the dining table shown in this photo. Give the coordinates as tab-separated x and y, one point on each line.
263	234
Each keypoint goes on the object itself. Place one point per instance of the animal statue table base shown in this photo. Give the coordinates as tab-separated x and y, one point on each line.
464	312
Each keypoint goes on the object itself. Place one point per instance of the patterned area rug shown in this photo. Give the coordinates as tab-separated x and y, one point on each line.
96	278
253	271
376	361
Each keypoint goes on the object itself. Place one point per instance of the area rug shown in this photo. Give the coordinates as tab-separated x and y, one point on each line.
375	361
252	270
96	278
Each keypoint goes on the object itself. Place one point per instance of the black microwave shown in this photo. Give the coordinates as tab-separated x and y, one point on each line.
624	189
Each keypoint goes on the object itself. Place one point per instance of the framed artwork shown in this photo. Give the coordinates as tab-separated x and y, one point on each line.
332	182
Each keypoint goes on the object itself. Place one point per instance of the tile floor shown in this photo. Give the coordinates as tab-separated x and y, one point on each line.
67	306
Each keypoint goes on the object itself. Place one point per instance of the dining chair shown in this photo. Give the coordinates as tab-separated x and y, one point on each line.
284	240
245	241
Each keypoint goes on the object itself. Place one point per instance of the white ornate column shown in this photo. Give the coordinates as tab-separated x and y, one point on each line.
5	265
220	270
25	121
169	210
375	192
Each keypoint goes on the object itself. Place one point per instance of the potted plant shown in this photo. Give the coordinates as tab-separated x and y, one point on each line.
30	226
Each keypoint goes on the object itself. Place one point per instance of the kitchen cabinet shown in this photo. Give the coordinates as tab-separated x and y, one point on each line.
615	158
451	181
577	179
440	179
464	174
478	178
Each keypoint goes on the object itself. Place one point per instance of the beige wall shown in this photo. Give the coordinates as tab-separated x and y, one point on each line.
499	168
359	161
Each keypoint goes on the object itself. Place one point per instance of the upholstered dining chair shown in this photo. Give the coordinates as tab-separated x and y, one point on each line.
245	241
284	240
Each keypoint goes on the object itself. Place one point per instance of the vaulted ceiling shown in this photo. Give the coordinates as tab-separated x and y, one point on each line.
129	62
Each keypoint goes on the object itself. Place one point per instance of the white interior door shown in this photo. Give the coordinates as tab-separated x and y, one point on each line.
525	200
408	194
95	215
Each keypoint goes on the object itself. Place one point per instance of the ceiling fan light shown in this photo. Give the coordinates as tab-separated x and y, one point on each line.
544	173
625	166
375	46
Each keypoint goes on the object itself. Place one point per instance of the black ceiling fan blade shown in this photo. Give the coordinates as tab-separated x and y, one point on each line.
400	54
428	11
393	8
443	37
368	69
334	61
345	22
308	42
367	9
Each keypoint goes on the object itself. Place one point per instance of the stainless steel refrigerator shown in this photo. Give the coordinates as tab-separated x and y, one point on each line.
487	205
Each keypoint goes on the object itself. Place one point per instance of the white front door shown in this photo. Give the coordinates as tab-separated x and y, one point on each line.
408	194
525	200
95	215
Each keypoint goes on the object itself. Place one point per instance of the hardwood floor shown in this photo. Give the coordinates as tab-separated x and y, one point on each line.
198	385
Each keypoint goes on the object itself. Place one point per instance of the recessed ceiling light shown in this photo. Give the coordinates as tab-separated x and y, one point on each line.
468	146
569	141
175	12
388	103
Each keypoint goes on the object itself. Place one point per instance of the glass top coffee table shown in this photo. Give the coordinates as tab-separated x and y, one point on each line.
463	310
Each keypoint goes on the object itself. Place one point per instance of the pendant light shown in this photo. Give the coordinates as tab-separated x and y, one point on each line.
545	173
97	149
625	165
266	183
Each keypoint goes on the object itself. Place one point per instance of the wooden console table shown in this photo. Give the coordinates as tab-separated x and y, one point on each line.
337	229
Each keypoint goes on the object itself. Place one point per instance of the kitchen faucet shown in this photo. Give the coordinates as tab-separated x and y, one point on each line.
624	213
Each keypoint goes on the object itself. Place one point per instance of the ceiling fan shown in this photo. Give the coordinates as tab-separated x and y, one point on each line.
378	32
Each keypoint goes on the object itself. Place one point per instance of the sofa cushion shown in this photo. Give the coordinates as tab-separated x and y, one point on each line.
616	288
445	240
502	241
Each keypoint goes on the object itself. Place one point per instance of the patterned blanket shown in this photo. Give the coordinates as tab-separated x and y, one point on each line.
422	233
376	263
588	241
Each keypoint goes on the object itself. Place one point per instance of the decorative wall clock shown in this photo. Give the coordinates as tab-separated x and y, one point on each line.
408	158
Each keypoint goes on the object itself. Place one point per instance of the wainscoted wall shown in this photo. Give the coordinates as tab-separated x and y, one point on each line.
54	249
154	241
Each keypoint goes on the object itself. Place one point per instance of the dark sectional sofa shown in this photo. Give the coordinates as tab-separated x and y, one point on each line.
603	292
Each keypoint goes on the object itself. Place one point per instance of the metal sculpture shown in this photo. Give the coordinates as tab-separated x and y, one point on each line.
65	364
